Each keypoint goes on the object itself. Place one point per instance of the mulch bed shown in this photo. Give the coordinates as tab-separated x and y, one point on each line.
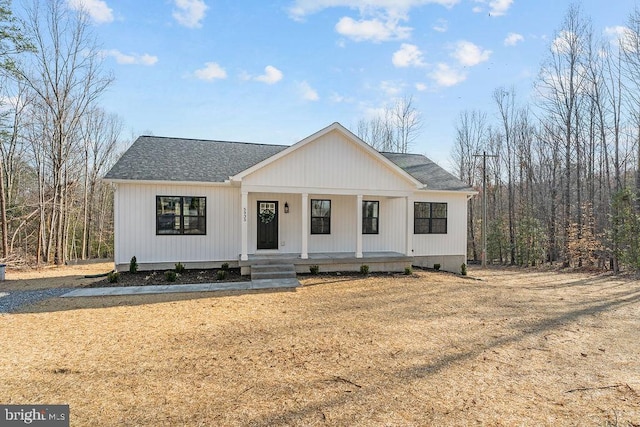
157	277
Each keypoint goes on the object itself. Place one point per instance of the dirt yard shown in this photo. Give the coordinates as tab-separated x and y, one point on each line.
68	276
513	348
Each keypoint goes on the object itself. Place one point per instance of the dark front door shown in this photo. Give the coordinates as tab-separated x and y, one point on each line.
267	225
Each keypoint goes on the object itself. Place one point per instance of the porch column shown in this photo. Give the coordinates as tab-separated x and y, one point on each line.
245	226
409	247
304	250
359	226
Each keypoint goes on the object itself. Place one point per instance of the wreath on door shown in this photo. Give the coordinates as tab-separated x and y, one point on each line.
267	215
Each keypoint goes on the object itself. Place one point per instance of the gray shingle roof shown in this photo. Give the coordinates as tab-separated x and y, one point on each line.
153	158
427	172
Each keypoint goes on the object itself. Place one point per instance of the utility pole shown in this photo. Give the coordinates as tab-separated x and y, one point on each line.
484	156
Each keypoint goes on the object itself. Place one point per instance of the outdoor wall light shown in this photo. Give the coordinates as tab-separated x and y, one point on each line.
286	207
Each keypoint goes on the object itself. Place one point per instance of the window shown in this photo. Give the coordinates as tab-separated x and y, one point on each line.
429	218
370	215
181	215
320	216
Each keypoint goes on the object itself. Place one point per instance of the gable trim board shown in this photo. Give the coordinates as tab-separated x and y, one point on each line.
331	164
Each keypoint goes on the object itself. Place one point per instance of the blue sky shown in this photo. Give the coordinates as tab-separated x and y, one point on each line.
277	71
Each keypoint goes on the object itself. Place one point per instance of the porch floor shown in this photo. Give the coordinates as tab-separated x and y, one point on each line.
332	261
326	257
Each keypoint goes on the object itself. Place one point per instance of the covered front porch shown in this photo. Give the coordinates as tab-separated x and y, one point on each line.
347	233
331	261
334	172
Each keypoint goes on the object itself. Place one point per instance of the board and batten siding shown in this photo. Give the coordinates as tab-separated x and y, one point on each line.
135	225
343	226
392	230
333	163
454	242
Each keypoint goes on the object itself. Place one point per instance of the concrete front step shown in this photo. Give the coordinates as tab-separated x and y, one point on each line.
261	268
274	283
280	274
269	275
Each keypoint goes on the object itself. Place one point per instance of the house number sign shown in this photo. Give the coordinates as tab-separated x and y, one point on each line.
244	214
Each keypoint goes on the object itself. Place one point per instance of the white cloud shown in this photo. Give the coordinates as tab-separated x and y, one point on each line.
496	7
210	72
625	38
468	54
378	20
11	102
302	8
190	13
616	32
446	76
337	98
131	59
307	92
374	112
97	9
391	88
372	29
421	87
441	26
499	7
409	55
271	75
564	42
513	39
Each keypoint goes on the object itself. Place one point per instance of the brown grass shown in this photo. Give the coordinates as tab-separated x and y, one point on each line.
67	276
517	347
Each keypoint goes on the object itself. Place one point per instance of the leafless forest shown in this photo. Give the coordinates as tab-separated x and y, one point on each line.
562	182
56	141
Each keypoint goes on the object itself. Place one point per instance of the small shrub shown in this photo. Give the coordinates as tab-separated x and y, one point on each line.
133	265
221	274
314	269
408	271
225	266
170	275
180	268
436	267
364	269
113	277
463	269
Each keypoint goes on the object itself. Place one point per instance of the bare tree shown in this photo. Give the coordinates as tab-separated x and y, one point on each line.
560	85
395	129
377	132
100	135
505	102
471	133
66	78
11	150
630	53
407	123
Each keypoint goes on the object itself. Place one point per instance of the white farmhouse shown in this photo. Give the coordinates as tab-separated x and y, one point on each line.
329	200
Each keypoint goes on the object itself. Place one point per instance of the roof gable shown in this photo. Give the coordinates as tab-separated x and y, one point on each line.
324	135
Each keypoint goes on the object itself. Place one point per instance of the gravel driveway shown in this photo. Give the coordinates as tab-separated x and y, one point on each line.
12	300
